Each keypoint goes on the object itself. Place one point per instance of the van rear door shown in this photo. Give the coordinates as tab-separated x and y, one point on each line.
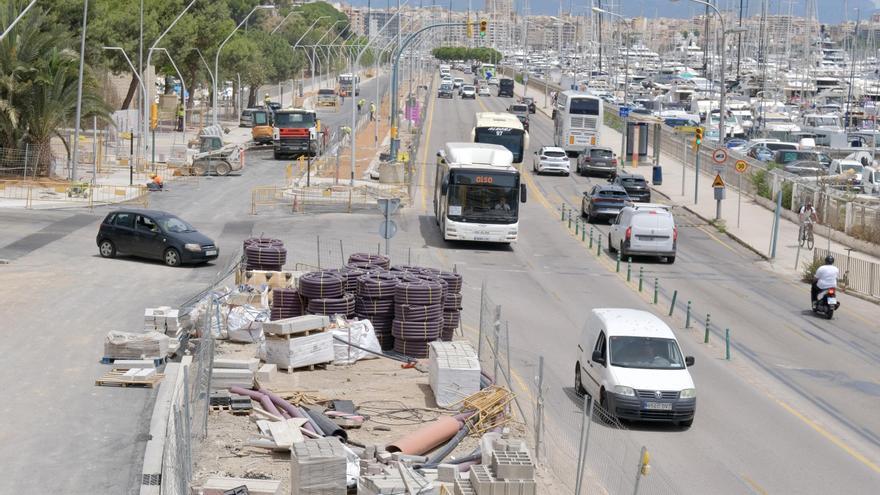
652	231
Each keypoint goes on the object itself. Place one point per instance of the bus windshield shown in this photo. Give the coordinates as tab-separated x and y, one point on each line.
483	197
584	106
294	120
512	139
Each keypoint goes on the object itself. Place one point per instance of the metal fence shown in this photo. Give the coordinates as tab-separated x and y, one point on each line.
857	275
34	194
24	162
586	449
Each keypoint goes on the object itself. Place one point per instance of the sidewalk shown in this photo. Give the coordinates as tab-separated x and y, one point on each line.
755	222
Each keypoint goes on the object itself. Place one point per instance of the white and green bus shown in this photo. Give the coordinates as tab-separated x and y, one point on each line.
501	128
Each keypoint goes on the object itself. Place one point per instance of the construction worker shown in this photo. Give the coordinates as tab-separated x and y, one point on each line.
361	104
372	111
155	183
266	101
180	112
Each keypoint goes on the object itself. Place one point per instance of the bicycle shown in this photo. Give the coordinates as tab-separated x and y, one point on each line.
805	236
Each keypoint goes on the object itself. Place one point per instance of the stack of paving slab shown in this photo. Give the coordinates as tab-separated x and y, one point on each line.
300	341
165	320
318	467
233	373
511	472
454	371
128	345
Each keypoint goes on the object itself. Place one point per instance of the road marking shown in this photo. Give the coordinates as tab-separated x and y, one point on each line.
719	241
754	486
426	146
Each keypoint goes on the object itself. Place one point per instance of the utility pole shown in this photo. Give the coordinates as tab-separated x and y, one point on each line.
706	46
79	89
739	43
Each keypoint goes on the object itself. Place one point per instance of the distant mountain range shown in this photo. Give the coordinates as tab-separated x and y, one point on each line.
830	11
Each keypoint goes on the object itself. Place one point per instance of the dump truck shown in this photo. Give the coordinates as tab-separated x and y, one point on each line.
296	133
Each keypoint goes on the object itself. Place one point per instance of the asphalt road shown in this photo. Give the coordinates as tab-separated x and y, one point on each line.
794	411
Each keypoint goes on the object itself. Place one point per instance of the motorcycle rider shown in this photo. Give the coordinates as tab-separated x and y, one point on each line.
824	278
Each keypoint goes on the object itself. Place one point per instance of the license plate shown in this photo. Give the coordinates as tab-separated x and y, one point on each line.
480	238
212	252
832	301
659	406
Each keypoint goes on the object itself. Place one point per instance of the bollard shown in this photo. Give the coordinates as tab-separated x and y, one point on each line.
674	297
706	336
617	270
629	268
727	344
577	227
656	289
599	247
569	219
591	238
584	234
687	316
641	278
563	212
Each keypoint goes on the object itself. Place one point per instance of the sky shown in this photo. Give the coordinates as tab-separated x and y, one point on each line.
830	11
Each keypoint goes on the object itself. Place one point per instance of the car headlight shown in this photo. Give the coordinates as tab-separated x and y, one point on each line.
624	390
192	247
688	393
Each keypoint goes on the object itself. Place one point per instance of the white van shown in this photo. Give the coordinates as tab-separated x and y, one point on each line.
631	362
644	229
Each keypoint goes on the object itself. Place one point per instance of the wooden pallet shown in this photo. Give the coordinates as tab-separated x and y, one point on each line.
237	412
117	378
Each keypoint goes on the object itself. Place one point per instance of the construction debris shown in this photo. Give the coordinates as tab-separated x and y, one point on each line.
491	408
135	377
165	320
128	345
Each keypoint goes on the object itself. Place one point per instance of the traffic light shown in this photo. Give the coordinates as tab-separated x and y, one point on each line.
698	136
483	25
470	29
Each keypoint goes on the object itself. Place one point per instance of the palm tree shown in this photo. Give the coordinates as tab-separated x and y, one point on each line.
38	84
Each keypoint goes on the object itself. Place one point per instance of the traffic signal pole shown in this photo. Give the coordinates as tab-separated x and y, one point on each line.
698	141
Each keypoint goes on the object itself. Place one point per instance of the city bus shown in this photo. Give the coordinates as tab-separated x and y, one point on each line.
577	121
477	192
501	128
487	71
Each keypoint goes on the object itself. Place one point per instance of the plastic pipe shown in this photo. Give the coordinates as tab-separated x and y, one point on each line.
326	424
290	409
263	399
427	437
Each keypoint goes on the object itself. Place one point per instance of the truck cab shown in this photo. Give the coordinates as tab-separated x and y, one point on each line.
296	133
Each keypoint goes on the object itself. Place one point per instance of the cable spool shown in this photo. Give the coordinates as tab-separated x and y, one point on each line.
418	350
373	259
452	301
265	254
453	281
451	319
286	303
322	285
426	331
413	313
351	276
378	285
419	292
333	306
367	267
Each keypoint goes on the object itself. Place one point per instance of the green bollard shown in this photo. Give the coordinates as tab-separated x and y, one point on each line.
584	234
641	278
563	212
706	336
674	297
618	262
599	247
727	344
629	268
569	219
577	227
656	289
591	237
687	316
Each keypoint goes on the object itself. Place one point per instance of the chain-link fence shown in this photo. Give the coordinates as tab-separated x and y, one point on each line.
584	447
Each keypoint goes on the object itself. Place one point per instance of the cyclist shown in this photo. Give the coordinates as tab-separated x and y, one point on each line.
807	216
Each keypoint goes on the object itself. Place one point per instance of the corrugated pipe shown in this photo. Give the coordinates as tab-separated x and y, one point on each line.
263	399
326	424
292	410
447	449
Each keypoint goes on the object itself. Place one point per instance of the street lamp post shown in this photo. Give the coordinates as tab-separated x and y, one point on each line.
135	72
625	133
15	21
217	57
79	89
318	43
292	12
295	45
182	88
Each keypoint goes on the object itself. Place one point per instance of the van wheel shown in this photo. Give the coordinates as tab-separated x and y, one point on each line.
578	384
611	247
622	252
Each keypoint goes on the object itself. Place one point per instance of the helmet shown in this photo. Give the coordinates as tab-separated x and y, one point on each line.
829	260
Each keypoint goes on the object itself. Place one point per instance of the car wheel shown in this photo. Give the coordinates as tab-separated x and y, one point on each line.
171	257
107	249
611	246
223	169
578	383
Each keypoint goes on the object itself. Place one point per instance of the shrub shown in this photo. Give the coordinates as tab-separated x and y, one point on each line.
810	268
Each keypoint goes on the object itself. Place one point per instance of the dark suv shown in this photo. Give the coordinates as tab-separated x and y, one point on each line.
636	186
153	234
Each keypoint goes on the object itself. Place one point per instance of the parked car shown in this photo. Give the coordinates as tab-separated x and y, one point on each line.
551	159
760	152
445	91
644	229
603	201
636	186
468	91
629	361
784	157
153	234
484	91
596	160
806	168
528	100
246	119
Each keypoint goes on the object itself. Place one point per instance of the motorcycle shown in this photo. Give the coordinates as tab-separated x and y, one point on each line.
826	303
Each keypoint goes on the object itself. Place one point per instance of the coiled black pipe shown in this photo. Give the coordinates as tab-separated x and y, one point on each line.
265	253
286	303
413	349
322	285
407	268
362	266
373	259
378	285
452	301
351	276
261	241
421	292
417	313
453	281
425	331
372	306
333	306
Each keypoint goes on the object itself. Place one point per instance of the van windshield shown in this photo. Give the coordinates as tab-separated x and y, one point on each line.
645	353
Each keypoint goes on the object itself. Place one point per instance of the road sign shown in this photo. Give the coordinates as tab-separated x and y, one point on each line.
387	229
392	205
719	155
717	182
623	111
741	166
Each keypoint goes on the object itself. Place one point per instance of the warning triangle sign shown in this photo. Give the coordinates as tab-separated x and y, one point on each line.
717	182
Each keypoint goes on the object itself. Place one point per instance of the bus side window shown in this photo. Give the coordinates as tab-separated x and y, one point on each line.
553	117
444	185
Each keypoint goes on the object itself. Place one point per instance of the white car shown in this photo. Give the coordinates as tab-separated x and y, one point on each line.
484	91
457	82
551	159
644	229
468	91
493	81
